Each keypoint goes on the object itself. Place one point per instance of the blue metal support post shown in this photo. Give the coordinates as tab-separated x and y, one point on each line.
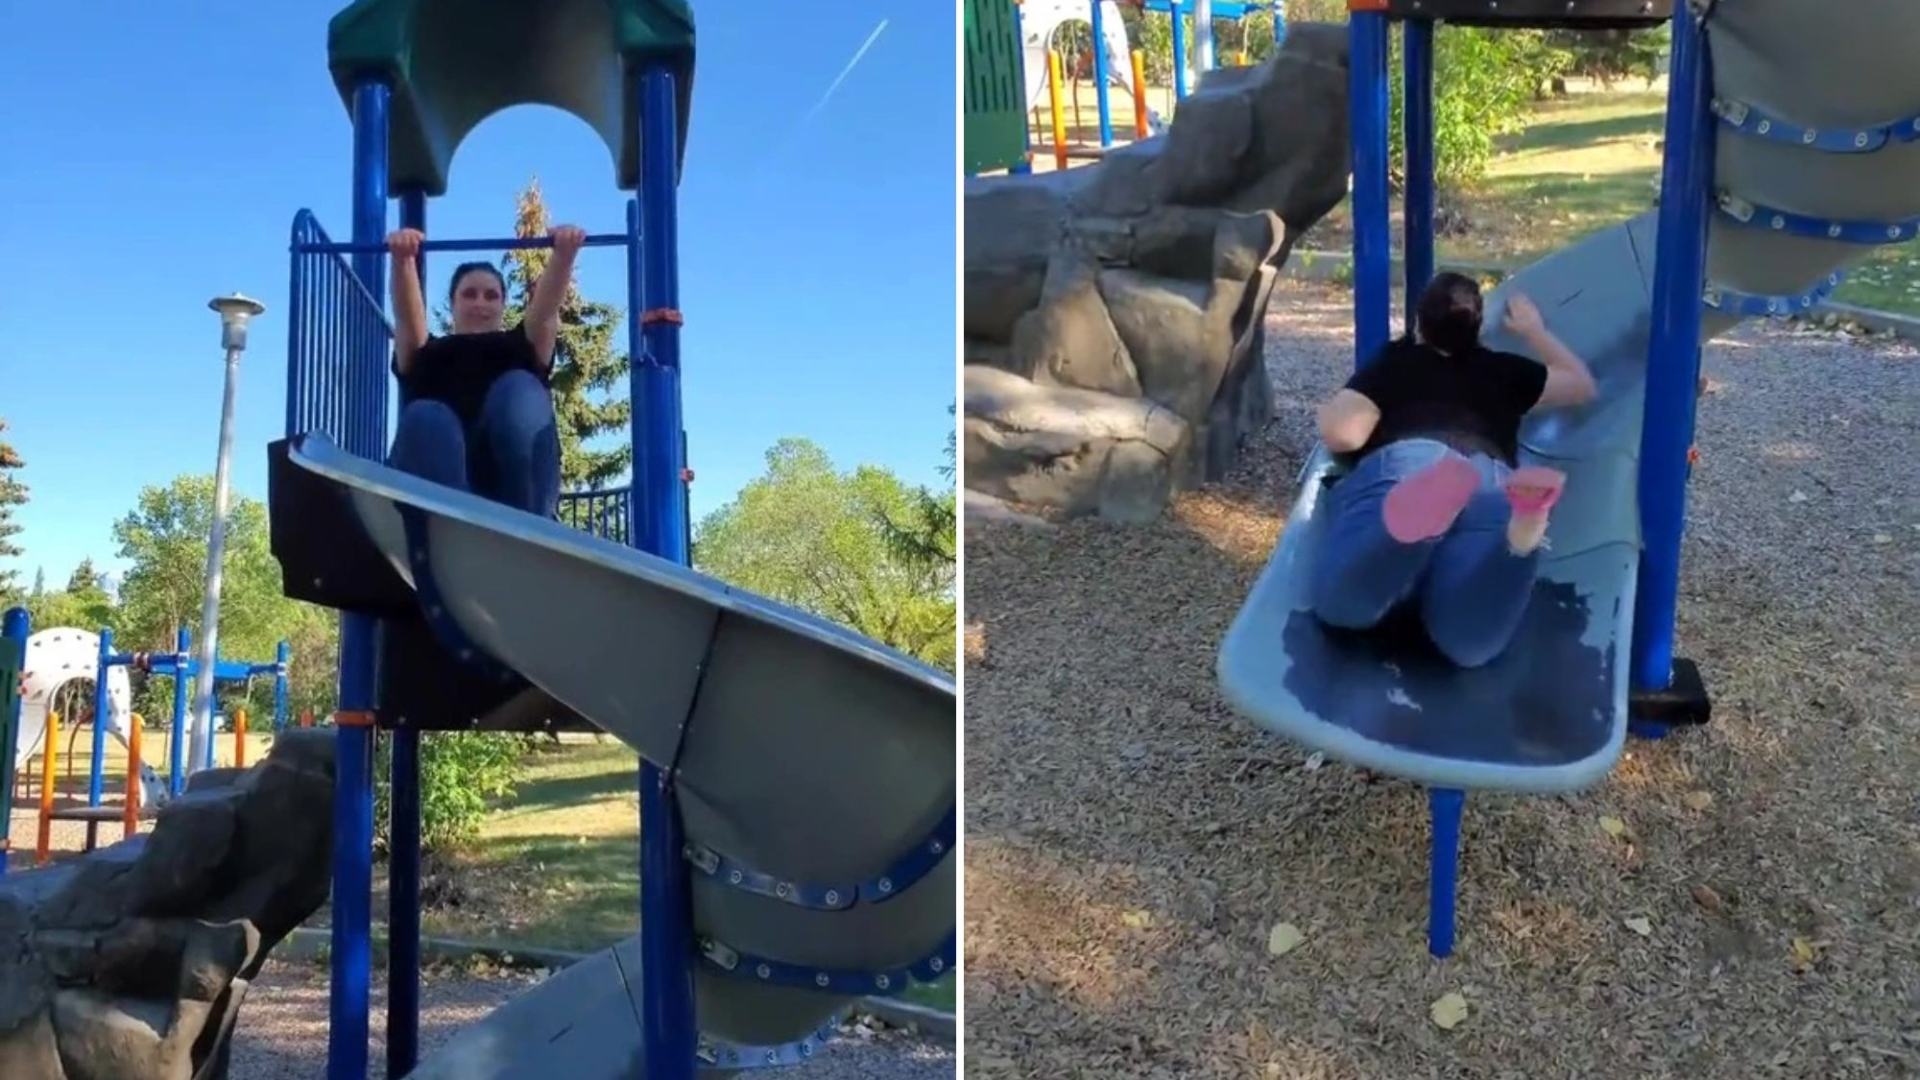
1446	806
282	656
668	1030
177	744
1372	255
1279	22
1100	77
1418	128
14	629
1673	363
403	827
1179	51
347	1005
101	702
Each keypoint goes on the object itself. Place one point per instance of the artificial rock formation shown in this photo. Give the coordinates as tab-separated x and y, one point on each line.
131	963
1114	313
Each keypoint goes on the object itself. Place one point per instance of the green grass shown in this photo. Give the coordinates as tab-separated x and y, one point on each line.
1585	163
556	866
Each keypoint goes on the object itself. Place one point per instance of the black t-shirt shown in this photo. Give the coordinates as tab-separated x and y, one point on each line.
459	369
1473	402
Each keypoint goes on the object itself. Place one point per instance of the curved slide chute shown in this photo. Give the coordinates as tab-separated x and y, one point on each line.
814	768
1817	158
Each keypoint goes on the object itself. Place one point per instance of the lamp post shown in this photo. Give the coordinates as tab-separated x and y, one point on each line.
235	311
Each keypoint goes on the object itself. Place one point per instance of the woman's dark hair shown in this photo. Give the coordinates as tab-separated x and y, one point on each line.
461	271
1449	313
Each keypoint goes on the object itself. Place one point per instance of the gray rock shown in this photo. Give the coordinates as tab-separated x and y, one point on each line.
1140	283
1069	340
1137	483
132	961
1051	445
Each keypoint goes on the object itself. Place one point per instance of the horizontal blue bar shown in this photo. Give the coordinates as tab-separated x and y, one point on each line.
510	243
1222	9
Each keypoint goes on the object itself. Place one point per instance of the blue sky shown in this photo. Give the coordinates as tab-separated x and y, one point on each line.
177	138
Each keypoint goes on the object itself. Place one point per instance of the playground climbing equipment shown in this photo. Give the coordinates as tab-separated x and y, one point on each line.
1790	149
796	786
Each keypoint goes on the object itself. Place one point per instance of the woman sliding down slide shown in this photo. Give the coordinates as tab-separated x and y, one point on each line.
1436	510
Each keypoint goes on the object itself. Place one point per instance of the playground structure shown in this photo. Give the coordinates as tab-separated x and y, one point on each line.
56	659
797	792
1781	168
1010	48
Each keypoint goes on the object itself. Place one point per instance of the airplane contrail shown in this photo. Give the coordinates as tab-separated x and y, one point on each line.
845	71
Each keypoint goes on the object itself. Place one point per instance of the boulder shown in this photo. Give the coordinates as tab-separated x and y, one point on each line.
131	962
1115	313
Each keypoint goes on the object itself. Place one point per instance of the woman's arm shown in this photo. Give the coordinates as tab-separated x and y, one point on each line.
542	321
1347	420
1569	382
409	306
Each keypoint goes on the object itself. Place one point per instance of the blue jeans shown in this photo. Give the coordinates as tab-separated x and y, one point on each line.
511	456
1471	588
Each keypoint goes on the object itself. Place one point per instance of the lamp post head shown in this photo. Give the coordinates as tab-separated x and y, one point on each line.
235	310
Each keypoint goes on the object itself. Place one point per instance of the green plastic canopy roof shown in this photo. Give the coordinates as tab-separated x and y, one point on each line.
453	63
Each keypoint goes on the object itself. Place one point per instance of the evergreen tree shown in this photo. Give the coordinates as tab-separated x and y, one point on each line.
589	372
12	493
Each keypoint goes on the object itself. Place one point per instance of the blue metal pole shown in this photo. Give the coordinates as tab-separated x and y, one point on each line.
100	703
353	766
1446	806
668	1029
1419	136
1279	22
1100	77
14	628
176	746
1372	257
282	656
1179	51
403	827
1673	361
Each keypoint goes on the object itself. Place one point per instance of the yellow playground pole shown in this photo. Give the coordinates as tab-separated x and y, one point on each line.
1059	118
239	738
1139	94
49	755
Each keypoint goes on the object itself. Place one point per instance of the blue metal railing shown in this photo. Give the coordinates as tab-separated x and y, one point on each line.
337	340
602	513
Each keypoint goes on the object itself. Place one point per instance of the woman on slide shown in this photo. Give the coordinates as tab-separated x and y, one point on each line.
1436	510
475	409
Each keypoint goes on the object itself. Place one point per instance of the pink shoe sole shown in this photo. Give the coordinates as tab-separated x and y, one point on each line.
1426	504
1535	489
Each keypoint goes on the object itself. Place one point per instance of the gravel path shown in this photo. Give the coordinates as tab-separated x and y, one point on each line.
1131	842
283	1028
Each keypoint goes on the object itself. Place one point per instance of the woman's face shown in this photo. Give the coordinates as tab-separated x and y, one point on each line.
477	303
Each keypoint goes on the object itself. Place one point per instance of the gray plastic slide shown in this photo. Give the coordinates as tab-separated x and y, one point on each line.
1551	714
808	753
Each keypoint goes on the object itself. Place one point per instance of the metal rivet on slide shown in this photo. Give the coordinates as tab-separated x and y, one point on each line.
821	979
1809	136
763	971
1833	230
833	896
734	877
1860	139
886	885
882	982
1765	126
1779	222
1893	232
